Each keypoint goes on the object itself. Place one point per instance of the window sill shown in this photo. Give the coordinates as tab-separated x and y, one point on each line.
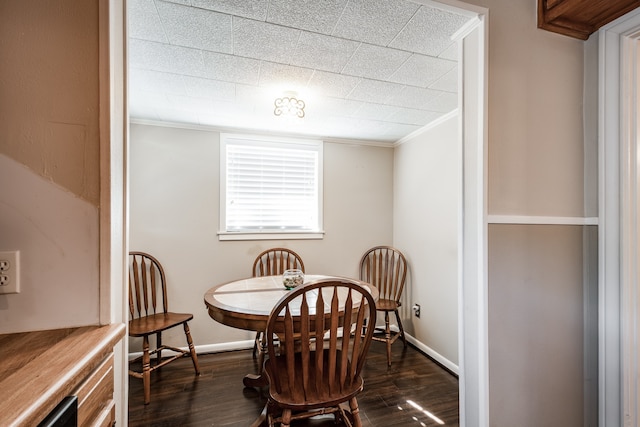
314	235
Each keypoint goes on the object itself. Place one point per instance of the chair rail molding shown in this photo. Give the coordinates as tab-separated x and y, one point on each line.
541	220
618	217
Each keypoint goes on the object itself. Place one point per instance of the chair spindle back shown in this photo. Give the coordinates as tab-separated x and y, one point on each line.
147	285
275	261
317	321
385	268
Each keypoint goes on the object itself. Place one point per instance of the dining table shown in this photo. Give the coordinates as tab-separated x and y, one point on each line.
247	303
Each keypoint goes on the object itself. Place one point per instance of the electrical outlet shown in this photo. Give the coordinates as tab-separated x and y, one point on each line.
9	272
416	310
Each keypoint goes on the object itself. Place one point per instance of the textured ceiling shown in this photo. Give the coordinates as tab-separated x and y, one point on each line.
373	70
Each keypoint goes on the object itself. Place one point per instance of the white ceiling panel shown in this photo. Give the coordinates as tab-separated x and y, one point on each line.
399	131
184	2
191	104
229	68
421	70
157	81
148	25
335	107
284	77
252	9
429	31
444	103
214	89
367	69
375	111
311	15
162	57
412	116
142	104
448	82
332	84
322	52
196	28
374	21
450	53
413	97
375	62
260	40
374	91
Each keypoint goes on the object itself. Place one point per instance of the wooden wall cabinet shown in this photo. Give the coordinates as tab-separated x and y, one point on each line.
580	18
39	369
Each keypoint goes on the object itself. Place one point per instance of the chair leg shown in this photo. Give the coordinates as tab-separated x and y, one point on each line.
192	349
387	336
286	418
146	370
404	340
255	344
355	412
159	347
261	354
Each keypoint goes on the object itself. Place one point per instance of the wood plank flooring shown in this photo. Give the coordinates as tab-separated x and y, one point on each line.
402	395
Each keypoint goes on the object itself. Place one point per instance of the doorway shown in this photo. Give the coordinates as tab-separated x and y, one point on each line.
472	320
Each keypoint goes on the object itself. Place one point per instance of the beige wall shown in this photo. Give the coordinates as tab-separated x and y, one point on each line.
174	214
49	91
49	162
426	220
536	325
535	168
535	115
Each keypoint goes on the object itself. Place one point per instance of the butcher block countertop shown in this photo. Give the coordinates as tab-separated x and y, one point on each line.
38	369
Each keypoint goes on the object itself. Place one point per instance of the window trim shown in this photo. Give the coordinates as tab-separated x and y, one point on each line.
224	235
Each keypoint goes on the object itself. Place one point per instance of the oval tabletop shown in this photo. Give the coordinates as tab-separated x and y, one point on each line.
247	303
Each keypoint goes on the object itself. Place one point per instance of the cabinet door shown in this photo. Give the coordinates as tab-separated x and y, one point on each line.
95	396
580	18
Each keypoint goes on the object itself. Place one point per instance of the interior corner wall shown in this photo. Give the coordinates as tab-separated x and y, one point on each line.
535	173
49	162
426	224
174	215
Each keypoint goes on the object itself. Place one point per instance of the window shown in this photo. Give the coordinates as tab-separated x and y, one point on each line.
270	188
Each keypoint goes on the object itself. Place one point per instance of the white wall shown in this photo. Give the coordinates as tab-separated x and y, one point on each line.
174	189
426	205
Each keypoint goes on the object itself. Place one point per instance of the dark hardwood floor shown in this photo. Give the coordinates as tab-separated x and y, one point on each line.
402	395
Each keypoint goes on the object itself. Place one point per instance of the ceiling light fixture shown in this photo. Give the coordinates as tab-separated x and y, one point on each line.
289	106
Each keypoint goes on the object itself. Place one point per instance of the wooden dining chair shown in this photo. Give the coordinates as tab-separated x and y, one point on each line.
318	365
272	262
149	315
386	268
275	261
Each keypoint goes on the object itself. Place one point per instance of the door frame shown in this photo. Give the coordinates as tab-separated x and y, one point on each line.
619	174
113	210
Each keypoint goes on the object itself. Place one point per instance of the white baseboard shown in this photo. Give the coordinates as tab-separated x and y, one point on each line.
209	348
243	345
433	354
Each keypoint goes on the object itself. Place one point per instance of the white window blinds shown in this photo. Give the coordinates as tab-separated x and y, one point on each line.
270	186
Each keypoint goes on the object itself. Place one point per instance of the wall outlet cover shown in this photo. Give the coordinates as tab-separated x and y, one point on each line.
9	272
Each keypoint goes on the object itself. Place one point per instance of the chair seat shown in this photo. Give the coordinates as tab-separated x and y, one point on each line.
313	398
387	305
156	323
